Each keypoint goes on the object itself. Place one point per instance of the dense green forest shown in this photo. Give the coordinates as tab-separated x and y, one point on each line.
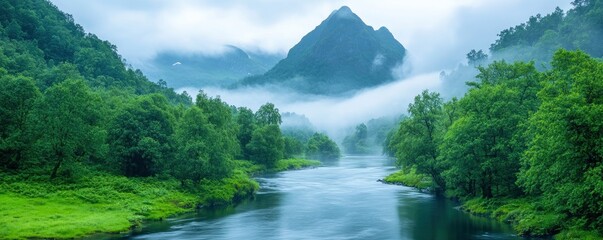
580	28
517	134
524	143
79	127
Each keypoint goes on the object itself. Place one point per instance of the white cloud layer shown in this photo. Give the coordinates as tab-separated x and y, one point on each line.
437	33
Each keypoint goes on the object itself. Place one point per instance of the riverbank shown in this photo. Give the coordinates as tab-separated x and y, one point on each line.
527	216
409	178
115	204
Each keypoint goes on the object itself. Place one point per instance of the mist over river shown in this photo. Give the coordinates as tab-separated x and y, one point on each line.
340	200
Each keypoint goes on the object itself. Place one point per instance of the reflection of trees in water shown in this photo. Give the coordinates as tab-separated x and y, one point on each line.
423	217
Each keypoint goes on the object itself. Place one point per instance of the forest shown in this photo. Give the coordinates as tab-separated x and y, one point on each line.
80	127
523	145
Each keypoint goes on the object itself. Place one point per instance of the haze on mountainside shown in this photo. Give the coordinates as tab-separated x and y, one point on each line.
435	39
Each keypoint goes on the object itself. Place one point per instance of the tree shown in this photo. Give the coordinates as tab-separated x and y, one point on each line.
246	122
564	159
483	146
321	147
293	147
266	145
219	115
476	58
419	136
357	143
140	136
268	114
200	153
68	124
17	98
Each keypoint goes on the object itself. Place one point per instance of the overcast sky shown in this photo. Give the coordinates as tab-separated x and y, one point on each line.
437	33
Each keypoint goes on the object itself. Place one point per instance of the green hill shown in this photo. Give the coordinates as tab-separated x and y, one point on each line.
200	70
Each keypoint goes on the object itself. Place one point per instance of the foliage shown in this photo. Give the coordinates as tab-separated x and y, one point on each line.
481	149
268	114
518	133
247	124
294	164
409	178
66	124
418	137
356	143
476	58
266	145
17	98
140	136
321	147
564	160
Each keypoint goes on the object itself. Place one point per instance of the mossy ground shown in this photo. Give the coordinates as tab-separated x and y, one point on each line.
114	204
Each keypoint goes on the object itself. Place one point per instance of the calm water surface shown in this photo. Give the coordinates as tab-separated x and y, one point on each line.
341	200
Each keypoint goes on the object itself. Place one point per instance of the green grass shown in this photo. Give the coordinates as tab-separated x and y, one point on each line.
98	204
115	204
409	178
294	164
529	217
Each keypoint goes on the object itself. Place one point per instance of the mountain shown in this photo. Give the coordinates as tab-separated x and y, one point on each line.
39	41
340	55
201	70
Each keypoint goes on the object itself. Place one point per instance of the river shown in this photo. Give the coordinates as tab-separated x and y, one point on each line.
340	200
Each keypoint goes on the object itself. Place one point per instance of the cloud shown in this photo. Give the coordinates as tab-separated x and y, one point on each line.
437	33
333	114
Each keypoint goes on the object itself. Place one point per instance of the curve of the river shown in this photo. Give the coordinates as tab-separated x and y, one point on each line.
340	200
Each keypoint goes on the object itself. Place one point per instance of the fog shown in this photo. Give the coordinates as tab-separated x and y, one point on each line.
436	33
333	114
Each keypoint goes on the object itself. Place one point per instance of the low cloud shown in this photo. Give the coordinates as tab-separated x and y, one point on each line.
436	32
333	114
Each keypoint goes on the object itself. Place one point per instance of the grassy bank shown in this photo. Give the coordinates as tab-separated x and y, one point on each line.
114	204
529	218
409	178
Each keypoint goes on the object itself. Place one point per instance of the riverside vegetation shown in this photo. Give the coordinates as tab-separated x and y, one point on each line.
89	145
523	145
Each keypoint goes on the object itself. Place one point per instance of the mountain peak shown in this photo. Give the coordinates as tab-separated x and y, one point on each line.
344	13
340	55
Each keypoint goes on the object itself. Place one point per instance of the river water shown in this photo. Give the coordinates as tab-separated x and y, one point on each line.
340	200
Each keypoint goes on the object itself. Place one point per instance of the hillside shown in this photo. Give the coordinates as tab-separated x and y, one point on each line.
201	70
340	55
37	40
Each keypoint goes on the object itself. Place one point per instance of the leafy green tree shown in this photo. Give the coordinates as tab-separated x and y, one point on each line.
482	148
246	122
17	97
266	145
68	121
140	136
293	147
321	147
564	159
419	136
200	153
219	115
268	114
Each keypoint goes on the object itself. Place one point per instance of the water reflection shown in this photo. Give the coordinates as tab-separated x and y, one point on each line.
341	200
